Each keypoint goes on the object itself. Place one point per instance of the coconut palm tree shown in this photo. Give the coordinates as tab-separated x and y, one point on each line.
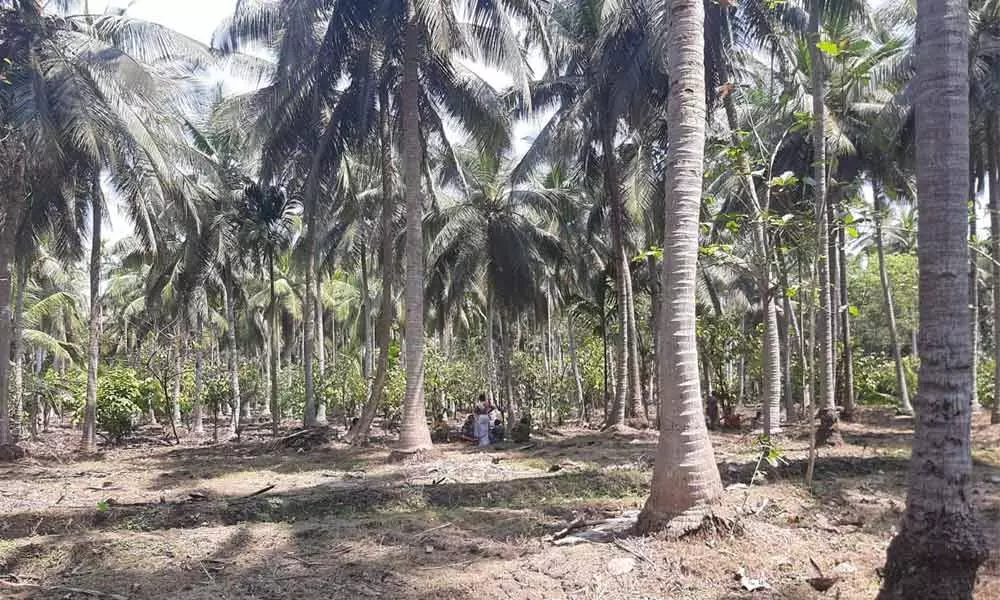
940	545
685	478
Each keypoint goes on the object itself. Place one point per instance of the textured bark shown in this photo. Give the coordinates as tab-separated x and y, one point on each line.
13	205
17	353
309	419
636	397
368	351
88	441
575	368
685	478
233	362
383	331
273	353
175	398
612	195
828	428
414	435
320	333
993	151
845	328
904	395
940	546
974	286
197	420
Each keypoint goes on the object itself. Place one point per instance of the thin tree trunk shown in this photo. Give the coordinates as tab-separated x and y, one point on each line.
993	150
685	477
974	288
233	362
175	399
612	194
636	400
88	442
320	337
940	544
575	367
491	358
383	333
904	396
414	435
21	267
309	419
197	416
845	328
828	430
792	325
274	351
367	361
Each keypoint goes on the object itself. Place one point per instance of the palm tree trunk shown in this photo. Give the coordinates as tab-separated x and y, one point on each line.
974	287
197	411
367	358
616	417
88	442
233	362
792	325
685	477
575	367
414	435
845	328
897	354
771	400
828	430
21	267
491	358
940	544
383	331
309	419
320	348
993	150
273	354
636	400
179	345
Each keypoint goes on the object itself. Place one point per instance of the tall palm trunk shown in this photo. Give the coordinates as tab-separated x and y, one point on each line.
320	348
940	544
383	331
197	411
414	435
367	353
685	478
10	214
309	419
612	195
974	287
993	149
175	399
575	368
233	362
636	398
273	353
21	267
845	328
771	400
827	433
491	357
88	442
890	310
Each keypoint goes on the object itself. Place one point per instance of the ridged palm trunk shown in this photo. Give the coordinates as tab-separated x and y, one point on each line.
771	368
197	410
685	478
897	355
414	434
10	215
940	544
320	334
275	349
175	398
612	193
233	362
383	329
993	163
88	442
310	419
827	433
845	328
636	402
17	353
974	286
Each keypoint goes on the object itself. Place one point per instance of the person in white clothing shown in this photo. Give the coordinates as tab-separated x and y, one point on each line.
482	426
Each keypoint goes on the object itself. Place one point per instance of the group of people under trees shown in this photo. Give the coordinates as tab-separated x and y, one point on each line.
484	426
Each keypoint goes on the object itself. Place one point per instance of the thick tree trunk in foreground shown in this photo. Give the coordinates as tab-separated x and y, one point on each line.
10	216
88	442
940	546
414	435
827	433
685	478
904	395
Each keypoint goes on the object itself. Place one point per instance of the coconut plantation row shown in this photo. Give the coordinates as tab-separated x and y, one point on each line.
500	299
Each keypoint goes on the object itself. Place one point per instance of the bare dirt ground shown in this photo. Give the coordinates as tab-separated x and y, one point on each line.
313	519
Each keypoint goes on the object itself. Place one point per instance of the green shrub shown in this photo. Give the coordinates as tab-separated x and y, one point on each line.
119	393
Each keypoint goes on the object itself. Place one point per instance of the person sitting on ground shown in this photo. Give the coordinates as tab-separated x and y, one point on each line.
521	431
497	433
483	427
440	431
469	429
